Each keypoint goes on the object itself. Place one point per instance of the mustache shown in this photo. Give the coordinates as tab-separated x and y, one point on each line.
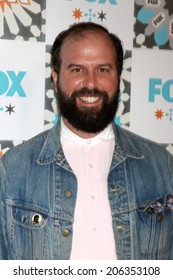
89	92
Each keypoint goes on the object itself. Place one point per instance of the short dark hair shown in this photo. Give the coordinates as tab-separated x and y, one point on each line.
79	29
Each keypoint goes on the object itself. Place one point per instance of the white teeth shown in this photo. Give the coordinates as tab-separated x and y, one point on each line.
89	99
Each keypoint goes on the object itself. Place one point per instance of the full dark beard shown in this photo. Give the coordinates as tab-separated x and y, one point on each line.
90	120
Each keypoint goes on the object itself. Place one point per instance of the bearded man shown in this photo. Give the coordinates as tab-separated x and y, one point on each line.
86	189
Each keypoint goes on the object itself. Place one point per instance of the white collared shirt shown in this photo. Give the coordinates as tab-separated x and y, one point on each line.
90	160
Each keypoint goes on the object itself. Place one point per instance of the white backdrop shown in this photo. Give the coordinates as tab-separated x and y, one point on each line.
27	30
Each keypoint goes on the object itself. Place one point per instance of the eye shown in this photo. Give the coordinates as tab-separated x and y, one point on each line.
76	69
104	70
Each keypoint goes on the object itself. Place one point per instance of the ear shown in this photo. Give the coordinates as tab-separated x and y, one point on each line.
120	78
54	79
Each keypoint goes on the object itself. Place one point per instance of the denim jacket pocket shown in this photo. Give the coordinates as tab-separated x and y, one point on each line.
155	224
27	228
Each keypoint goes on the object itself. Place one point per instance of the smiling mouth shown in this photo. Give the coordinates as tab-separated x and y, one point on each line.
90	99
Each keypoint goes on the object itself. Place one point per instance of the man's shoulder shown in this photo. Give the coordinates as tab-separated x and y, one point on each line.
142	144
26	148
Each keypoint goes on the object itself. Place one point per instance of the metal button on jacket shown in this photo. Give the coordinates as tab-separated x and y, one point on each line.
68	193
66	232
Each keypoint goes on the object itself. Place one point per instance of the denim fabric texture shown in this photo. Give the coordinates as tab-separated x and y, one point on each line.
38	192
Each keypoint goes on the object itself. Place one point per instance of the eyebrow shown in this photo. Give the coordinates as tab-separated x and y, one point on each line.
71	65
106	64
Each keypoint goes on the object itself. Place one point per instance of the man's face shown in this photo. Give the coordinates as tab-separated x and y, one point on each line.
88	83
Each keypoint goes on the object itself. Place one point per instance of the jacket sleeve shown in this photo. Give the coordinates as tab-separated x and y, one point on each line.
3	231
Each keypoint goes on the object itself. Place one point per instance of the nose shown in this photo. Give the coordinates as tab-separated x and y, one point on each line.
90	80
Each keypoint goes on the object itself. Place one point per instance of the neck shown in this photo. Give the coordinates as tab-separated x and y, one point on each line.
79	133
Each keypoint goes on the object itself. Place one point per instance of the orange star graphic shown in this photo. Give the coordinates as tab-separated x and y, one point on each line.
77	14
7	2
159	114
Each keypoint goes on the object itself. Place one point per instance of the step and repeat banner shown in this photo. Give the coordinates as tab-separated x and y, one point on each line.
27	31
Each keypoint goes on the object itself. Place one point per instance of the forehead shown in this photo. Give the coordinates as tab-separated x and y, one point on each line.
88	38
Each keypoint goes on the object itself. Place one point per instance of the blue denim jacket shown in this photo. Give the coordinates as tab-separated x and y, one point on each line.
38	193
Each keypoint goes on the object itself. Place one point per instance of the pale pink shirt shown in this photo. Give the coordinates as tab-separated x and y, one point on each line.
90	161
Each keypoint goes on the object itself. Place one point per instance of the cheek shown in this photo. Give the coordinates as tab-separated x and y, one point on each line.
70	84
109	86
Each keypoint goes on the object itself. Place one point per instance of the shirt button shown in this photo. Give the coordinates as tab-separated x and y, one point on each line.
88	142
66	232
93	197
90	165
68	193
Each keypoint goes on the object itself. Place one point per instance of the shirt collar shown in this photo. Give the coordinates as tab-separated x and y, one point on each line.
67	136
126	145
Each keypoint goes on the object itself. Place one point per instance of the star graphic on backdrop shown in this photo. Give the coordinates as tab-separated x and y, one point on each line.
77	13
2	4
10	109
102	15
159	114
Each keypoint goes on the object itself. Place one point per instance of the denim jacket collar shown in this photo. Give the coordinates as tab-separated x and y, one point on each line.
124	144
52	151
